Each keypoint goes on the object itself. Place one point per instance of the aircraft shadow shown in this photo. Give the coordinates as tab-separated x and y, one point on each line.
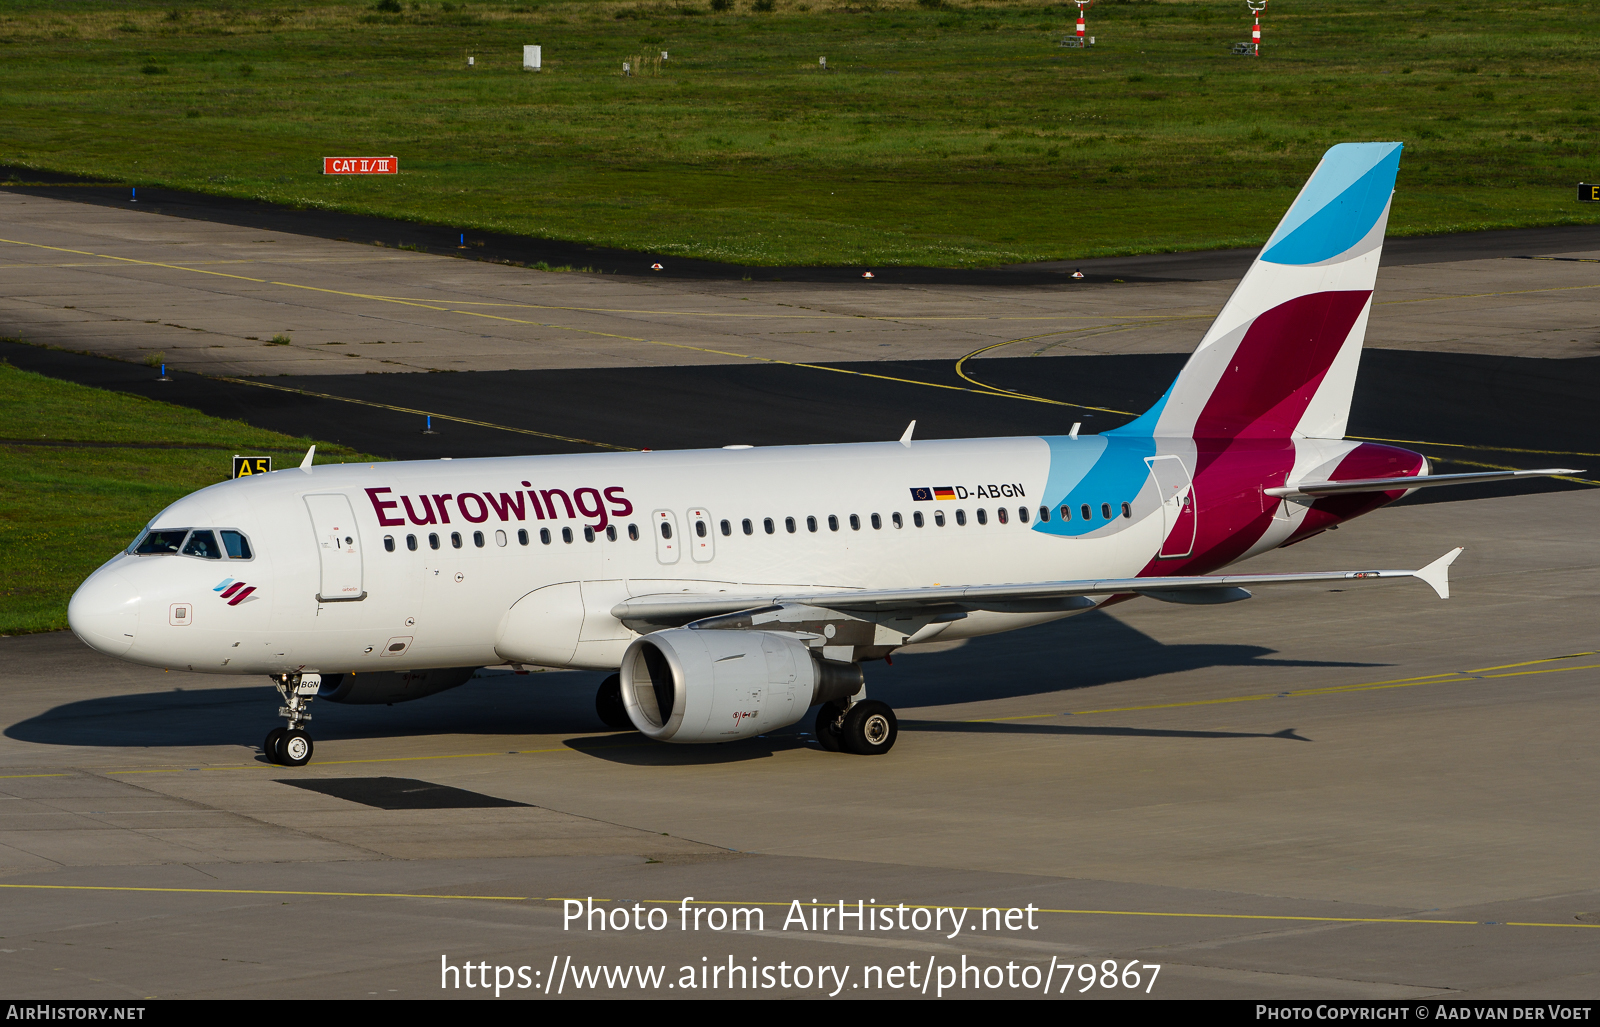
1081	652
989	727
635	750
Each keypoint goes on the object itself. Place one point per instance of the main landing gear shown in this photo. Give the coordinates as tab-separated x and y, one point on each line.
609	705
865	728
291	746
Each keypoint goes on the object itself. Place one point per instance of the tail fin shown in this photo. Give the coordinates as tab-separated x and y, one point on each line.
1280	360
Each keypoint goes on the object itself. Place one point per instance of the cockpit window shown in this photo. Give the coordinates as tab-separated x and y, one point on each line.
203	544
160	542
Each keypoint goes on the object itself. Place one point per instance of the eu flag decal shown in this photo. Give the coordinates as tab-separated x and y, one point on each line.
937	492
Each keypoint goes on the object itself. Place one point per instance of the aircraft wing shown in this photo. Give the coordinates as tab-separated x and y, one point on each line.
1033	597
1317	489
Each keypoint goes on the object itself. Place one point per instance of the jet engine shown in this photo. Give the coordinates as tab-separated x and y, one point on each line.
689	685
391	686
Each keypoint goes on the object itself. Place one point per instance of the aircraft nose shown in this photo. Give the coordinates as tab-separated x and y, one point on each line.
104	613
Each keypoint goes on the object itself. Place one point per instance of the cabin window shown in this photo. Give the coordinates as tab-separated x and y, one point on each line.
788	523
1066	512
499	538
727	527
766	523
1044	515
833	522
1127	510
1088	514
1105	510
877	522
611	533
961	518
477	539
455	539
633	532
238	546
411	543
1001	515
700	528
388	543
1022	515
433	541
588	533
938	518
666	529
811	523
983	516
204	545
896	519
566	535
544	535
916	518
522	536
749	529
855	523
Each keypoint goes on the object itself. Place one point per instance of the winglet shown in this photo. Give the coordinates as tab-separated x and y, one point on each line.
1437	573
905	440
305	465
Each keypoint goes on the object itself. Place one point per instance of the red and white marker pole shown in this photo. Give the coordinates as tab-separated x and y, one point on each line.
1256	6
1083	5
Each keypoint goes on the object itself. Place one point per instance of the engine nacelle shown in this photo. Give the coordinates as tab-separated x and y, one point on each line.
391	686
688	685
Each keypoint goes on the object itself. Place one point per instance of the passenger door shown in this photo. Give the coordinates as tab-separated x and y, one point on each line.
338	547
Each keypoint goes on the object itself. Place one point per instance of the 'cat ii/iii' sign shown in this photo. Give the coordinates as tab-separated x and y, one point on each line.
360	165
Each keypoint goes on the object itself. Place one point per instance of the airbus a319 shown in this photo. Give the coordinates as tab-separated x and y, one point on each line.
732	590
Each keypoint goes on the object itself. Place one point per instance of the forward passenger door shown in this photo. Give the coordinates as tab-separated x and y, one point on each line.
338	547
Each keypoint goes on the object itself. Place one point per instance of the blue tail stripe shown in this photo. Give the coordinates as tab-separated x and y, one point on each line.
1340	204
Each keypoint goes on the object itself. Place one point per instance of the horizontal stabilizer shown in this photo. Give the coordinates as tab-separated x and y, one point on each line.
1437	573
1313	489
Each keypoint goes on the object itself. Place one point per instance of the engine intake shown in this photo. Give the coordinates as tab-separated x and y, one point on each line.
391	686
688	685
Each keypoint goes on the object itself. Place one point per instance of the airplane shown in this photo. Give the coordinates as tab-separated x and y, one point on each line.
731	590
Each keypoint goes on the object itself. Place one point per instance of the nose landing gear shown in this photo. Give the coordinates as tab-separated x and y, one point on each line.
291	746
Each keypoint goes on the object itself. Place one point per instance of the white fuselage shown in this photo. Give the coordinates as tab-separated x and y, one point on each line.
335	597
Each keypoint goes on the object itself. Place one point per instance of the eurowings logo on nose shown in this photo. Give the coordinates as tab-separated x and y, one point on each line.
235	592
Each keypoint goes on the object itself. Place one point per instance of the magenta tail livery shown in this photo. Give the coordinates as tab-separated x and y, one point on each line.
734	589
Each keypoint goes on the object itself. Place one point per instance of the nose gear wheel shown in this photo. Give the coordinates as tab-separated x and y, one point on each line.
290	746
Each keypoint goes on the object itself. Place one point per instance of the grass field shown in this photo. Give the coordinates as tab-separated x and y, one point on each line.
950	132
65	509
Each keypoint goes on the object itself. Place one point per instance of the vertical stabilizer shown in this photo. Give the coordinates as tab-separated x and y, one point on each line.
1280	360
